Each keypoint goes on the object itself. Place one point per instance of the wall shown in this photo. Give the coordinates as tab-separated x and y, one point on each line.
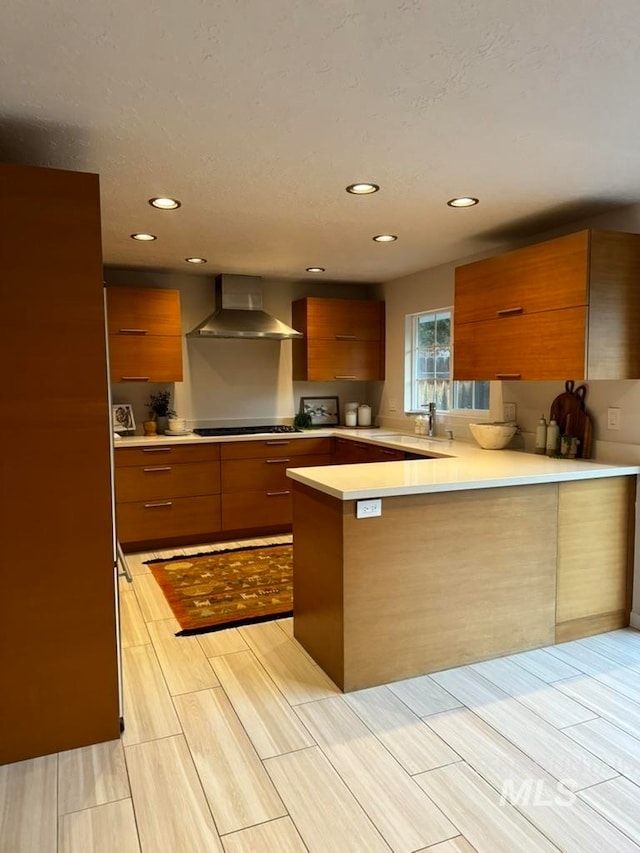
236	381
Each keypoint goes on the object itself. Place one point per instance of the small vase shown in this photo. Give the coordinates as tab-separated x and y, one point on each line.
149	427
162	422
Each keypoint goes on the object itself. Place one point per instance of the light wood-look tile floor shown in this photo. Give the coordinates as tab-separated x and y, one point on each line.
237	742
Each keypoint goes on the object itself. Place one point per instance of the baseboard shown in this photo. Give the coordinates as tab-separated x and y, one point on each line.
634	621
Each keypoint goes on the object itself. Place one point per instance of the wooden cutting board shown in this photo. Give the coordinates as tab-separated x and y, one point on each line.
569	411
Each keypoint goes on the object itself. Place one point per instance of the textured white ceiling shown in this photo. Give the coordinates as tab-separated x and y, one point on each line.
257	113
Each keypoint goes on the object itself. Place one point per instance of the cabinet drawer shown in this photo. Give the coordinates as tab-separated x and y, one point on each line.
243	475
164	480
334	360
555	347
543	277
145	359
246	510
336	319
167	519
347	452
166	453
143	311
274	447
385	454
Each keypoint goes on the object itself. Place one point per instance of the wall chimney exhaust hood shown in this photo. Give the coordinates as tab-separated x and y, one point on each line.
238	312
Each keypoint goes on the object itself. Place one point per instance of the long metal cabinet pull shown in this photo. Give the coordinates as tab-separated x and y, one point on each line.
274	461
346	338
508	375
504	312
132	331
134	378
275	494
345	377
156	450
157	468
278	443
158	503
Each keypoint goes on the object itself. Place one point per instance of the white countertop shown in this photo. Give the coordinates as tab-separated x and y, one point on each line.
448	465
456	466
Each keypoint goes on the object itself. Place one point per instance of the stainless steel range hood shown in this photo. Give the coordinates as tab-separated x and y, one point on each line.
238	312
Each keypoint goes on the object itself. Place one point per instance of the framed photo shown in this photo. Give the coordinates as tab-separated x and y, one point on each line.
324	411
123	420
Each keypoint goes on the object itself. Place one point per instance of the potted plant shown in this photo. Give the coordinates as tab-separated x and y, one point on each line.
160	410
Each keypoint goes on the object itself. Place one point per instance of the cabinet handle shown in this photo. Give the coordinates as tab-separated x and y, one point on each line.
346	338
388	452
132	331
278	443
134	378
275	461
158	468
156	450
345	377
504	312
508	375
157	504
275	494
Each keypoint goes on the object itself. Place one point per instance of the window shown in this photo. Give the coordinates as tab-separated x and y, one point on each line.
429	366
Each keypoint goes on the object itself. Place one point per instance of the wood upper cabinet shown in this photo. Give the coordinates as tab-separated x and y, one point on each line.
145	341
343	339
566	307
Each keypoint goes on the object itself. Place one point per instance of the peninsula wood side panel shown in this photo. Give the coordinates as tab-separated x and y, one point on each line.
57	607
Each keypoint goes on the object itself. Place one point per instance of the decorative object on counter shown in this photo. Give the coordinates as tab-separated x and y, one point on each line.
351	418
229	587
123	420
150	427
364	415
541	436
420	427
177	426
493	436
350	407
553	438
302	420
569	411
324	411
568	446
160	409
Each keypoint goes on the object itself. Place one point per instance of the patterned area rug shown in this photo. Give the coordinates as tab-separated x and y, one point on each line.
224	589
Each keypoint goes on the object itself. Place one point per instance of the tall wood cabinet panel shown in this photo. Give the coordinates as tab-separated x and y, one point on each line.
566	307
58	606
145	341
343	339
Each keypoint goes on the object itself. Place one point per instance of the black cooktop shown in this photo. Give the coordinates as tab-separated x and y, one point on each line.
246	430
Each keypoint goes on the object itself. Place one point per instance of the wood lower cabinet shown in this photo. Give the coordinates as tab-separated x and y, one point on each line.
145	336
167	493
568	307
256	492
343	339
346	451
58	628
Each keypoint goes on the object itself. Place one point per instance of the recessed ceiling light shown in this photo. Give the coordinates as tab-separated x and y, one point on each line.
315	269
463	201
384	238
362	188
196	260
145	238
164	203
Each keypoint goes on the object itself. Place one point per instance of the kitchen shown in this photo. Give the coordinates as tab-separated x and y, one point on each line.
226	380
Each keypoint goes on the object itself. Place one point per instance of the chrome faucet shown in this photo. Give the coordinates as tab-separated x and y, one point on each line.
431	417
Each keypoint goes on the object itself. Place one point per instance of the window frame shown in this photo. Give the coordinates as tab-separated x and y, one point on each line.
410	377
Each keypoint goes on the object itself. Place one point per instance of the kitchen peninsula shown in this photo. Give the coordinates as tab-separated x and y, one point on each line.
475	554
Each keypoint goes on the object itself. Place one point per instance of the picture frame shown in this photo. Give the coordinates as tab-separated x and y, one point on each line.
122	416
324	411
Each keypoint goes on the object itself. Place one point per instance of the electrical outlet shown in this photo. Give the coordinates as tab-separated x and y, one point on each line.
393	405
613	418
509	411
368	509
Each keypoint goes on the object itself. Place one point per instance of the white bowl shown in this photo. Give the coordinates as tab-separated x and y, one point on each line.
493	436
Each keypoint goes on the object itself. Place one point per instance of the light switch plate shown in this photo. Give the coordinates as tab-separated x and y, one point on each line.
369	509
613	418
509	411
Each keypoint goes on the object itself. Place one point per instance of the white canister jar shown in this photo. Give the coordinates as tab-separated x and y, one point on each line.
351	407
351	418
364	415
